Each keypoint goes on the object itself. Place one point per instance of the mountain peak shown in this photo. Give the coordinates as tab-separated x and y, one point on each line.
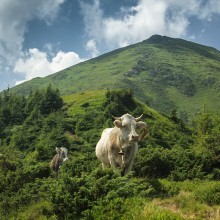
159	39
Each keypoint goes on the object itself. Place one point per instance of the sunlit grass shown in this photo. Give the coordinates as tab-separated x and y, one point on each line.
155	212
78	103
191	199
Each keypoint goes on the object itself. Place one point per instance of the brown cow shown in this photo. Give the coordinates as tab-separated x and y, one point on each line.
58	159
118	146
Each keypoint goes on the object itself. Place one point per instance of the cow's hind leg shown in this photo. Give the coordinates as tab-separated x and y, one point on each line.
113	163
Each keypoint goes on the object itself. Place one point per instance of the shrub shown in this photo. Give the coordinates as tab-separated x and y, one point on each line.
42	210
208	192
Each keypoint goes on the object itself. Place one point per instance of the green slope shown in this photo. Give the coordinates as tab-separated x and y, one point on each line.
163	72
91	103
190	180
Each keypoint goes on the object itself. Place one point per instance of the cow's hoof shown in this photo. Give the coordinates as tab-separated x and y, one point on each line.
122	172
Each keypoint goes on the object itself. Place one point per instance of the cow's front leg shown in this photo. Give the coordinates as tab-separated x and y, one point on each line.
105	165
129	158
123	166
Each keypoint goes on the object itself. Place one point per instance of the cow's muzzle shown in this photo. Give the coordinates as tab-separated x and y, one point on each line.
134	138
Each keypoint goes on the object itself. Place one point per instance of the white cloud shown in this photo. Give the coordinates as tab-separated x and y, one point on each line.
143	20
91	47
209	9
192	37
35	63
92	15
148	17
14	16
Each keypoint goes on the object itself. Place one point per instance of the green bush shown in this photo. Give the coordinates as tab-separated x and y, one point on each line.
208	192
42	210
83	190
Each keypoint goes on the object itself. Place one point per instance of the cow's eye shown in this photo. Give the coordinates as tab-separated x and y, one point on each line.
124	126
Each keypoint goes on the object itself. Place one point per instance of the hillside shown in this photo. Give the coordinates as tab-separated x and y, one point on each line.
174	175
165	73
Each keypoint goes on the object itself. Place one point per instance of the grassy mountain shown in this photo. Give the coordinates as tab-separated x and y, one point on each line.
165	73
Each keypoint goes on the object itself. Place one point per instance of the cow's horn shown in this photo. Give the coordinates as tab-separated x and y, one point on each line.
139	118
116	118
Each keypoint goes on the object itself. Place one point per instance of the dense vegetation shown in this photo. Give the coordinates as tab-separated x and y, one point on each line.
165	73
175	175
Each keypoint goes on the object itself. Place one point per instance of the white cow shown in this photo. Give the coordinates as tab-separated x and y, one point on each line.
122	138
58	159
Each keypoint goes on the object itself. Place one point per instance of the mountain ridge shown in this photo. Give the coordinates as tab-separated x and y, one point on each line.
166	73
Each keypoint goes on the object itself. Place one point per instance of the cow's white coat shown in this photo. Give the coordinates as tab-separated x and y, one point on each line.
112	140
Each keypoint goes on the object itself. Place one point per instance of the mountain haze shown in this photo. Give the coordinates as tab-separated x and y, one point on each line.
165	73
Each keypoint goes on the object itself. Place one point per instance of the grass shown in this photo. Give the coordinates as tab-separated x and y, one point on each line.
188	207
191	199
156	212
78	103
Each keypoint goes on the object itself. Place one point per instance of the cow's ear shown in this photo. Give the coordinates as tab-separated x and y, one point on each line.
118	123
57	149
141	125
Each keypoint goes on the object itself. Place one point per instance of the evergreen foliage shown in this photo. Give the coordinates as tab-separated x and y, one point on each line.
173	159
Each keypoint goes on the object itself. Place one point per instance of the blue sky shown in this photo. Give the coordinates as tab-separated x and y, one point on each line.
41	37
